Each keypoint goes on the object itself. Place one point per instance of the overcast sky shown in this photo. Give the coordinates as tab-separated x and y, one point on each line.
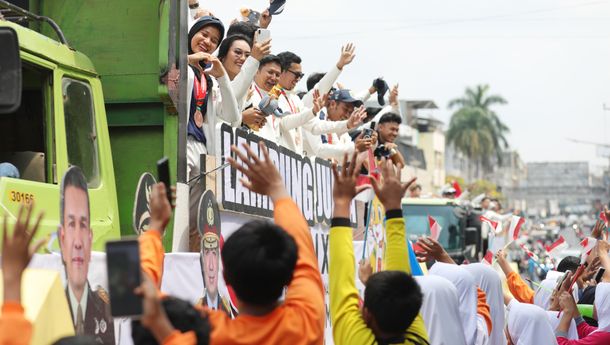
550	59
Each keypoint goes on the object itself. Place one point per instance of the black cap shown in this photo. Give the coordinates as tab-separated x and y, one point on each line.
344	96
205	21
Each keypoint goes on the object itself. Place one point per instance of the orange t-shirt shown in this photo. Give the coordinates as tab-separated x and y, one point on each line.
519	288
15	329
299	320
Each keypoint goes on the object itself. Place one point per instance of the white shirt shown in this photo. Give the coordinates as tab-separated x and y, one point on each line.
75	303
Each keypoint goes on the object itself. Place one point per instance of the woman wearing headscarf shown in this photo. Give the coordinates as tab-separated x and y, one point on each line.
440	311
554	319
528	325
489	281
588	335
476	330
210	96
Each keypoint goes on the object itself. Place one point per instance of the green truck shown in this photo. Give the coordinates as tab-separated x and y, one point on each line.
98	89
461	227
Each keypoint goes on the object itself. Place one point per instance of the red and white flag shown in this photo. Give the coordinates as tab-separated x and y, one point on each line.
488	258
496	226
586	246
529	253
495	243
602	216
557	247
515	226
435	228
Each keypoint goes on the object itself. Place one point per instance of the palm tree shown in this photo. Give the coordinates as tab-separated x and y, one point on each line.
471	132
477	102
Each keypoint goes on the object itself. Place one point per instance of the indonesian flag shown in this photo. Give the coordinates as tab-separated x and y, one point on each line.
529	253
488	258
496	226
557	247
587	246
515	226
435	228
458	189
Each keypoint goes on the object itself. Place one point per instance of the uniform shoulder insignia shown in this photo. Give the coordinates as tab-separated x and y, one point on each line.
103	294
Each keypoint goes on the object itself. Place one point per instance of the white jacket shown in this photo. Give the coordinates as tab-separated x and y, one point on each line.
243	80
222	106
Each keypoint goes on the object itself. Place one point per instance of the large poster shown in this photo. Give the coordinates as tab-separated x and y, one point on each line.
89	305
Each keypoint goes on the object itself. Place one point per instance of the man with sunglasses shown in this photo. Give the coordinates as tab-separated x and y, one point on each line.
289	101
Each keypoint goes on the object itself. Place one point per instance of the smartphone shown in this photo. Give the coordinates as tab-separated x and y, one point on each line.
561	280
368	132
124	275
163	175
262	35
599	274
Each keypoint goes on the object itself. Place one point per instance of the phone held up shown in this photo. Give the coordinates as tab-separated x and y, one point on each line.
124	276
163	175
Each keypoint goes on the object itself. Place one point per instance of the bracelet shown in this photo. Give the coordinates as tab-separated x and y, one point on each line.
194	6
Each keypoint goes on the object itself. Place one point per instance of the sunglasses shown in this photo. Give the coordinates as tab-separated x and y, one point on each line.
297	75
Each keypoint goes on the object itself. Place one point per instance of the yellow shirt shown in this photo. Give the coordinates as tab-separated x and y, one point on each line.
347	322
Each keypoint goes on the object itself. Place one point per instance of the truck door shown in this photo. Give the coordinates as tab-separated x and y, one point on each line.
87	146
27	147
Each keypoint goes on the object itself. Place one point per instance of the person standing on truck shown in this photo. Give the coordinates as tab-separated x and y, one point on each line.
90	309
210	95
241	60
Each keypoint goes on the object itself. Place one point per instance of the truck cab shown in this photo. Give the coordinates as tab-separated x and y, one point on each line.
460	235
60	122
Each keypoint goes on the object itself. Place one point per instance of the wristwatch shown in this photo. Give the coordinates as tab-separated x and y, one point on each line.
194	6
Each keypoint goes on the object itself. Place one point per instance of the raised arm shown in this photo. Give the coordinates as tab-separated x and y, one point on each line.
226	107
390	193
305	294
16	255
326	83
243	80
344	309
517	287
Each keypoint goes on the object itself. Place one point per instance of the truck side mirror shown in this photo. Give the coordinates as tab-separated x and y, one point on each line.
10	71
471	236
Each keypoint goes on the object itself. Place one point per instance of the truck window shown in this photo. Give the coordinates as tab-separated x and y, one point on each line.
416	219
24	134
81	134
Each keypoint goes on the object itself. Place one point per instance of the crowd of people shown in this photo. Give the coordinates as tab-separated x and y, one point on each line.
272	267
234	77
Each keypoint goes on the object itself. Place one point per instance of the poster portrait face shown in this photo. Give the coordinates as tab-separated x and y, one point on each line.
75	235
209	262
209	228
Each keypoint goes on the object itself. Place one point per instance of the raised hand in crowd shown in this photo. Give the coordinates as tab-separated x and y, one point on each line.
394	96
347	55
260	49
160	209
432	250
319	101
503	263
564	287
345	187
356	117
261	175
362	144
365	270
265	19
598	228
391	190
217	69
153	316
17	252
602	252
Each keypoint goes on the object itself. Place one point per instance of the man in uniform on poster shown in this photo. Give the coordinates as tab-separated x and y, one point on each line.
90	309
210	259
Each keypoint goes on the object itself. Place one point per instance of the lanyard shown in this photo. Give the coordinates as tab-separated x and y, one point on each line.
292	107
201	91
261	96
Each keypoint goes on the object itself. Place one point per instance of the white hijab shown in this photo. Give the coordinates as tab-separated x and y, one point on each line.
440	311
554	320
489	281
602	306
467	296
528	324
542	297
